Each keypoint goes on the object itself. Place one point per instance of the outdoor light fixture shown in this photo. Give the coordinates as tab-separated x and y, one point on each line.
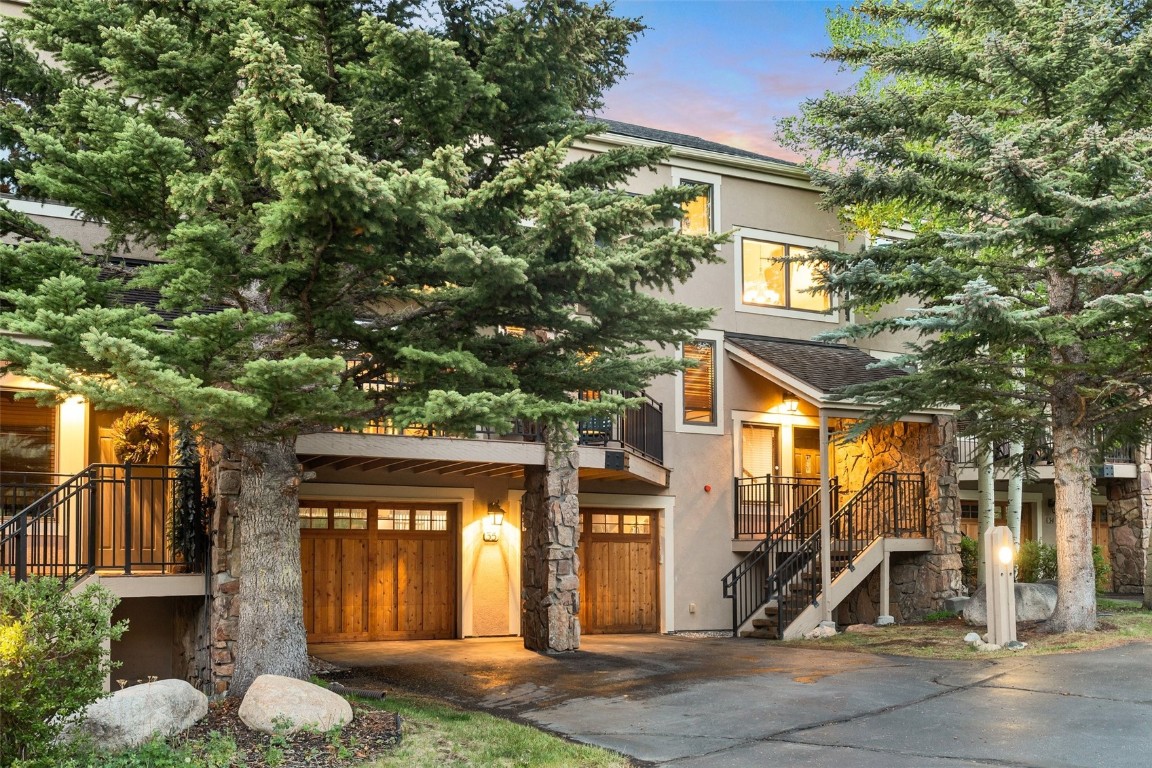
493	521
790	403
1006	554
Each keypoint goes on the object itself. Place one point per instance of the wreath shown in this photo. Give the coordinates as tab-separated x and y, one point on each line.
136	437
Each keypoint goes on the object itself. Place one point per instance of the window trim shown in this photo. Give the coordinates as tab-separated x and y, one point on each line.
780	238
717	427
682	176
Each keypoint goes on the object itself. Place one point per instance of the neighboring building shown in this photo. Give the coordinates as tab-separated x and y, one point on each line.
406	536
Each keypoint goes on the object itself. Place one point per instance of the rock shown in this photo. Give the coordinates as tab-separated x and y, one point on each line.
131	716
276	704
860	628
885	621
1015	645
1034	602
972	637
820	633
956	604
987	647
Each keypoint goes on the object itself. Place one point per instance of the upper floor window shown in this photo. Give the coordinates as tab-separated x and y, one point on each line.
771	279
700	383
697	211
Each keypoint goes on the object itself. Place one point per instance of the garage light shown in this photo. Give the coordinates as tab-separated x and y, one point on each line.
493	521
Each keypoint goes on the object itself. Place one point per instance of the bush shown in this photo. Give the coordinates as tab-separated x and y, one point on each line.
52	661
1035	562
969	562
1103	570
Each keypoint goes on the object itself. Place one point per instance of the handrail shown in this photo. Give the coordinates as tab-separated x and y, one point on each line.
108	516
891	504
747	583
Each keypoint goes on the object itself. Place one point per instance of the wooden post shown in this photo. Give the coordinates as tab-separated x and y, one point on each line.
999	583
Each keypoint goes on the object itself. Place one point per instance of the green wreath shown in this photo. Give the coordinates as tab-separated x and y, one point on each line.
136	437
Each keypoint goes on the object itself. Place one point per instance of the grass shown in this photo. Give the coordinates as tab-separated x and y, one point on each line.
1122	622
437	734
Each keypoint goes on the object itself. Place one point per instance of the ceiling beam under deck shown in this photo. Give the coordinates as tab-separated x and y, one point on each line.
480	469
508	471
370	465
450	468
317	462
348	463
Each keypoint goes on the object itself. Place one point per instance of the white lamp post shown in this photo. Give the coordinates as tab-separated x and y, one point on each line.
1000	585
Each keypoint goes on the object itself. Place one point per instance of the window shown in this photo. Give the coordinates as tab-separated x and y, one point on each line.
758	450
771	280
700	383
697	211
27	435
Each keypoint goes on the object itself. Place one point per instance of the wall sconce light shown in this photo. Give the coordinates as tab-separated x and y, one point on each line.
790	403
493	521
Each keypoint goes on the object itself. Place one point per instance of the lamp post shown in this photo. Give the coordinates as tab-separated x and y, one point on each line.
1000	585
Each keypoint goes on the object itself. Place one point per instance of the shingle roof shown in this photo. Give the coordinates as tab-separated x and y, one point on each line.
683	140
828	368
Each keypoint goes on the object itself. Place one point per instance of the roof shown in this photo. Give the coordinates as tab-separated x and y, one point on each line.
828	368
684	140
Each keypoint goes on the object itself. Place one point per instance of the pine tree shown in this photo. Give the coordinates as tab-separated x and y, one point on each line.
336	198
1015	138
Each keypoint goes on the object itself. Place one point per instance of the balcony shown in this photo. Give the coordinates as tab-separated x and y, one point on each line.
1112	459
626	445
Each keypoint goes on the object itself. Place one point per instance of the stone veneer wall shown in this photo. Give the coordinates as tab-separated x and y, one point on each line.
223	487
551	589
1129	525
920	582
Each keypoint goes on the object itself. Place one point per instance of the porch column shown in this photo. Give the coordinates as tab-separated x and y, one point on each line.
551	510
825	523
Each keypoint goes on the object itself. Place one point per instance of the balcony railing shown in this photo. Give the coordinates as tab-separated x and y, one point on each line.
1039	452
639	430
107	517
763	503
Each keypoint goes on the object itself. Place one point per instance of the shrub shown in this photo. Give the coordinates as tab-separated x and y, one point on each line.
969	562
1103	570
52	661
1035	562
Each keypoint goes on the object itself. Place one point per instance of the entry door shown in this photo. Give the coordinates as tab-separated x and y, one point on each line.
618	572
378	571
806	452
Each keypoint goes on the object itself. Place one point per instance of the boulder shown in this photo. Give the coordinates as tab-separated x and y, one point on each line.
820	633
132	716
956	604
276	704
1034	602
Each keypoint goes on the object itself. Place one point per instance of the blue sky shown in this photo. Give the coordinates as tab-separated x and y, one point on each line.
725	70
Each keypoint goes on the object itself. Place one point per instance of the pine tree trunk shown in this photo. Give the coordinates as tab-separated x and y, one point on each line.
1072	450
270	632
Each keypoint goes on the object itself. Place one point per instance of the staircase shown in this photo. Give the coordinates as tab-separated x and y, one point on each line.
776	589
109	517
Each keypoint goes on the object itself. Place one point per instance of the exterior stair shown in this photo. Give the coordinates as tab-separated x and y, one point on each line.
776	591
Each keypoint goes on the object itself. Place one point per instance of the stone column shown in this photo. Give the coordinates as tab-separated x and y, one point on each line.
551	510
940	574
224	606
1129	522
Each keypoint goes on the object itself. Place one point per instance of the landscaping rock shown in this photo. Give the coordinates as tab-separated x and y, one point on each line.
972	637
820	633
276	704
860	628
1034	602
132	716
1015	645
956	604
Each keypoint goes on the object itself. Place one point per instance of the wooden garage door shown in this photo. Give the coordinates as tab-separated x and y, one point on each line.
378	571
618	569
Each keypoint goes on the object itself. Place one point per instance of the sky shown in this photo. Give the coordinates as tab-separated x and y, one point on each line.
724	70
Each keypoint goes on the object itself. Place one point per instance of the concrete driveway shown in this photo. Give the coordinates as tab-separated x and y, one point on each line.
724	702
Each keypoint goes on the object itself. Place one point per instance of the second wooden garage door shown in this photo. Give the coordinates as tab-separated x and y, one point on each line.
618	572
378	571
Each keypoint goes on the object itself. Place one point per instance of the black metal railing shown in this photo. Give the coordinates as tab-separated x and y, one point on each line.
1039	451
891	504
19	489
747	585
107	517
763	503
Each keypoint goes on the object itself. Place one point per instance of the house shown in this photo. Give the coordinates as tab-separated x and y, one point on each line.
691	502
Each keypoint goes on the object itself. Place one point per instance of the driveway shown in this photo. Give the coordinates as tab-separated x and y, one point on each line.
720	702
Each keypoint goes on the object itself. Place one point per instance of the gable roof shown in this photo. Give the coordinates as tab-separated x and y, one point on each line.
684	140
827	368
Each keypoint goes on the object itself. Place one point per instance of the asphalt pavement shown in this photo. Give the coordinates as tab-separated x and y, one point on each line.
691	701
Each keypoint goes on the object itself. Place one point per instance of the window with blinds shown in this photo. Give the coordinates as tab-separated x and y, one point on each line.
697	211
27	435
758	450
700	383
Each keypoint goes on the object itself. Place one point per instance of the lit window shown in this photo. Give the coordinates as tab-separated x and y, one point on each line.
313	517
700	383
350	519
605	523
27	435
697	211
771	280
638	525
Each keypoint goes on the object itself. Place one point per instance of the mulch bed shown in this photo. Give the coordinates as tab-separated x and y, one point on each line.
373	732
